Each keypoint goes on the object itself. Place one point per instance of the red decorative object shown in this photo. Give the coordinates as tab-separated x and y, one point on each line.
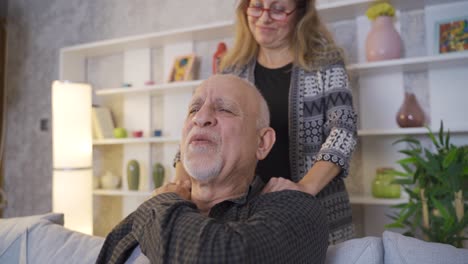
150	82
137	134
410	113
383	41
220	51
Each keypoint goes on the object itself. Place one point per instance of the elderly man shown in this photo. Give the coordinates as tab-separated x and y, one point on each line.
220	216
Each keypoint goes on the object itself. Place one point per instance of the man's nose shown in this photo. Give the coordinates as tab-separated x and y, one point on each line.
204	117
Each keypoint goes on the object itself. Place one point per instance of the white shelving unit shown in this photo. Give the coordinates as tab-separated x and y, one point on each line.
380	94
165	88
370	200
412	64
407	131
114	141
105	192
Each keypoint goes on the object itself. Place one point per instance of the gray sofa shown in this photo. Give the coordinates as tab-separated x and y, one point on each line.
42	239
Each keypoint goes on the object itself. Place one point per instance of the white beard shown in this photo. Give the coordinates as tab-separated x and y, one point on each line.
203	163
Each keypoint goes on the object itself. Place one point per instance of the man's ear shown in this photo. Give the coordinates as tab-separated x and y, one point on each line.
267	138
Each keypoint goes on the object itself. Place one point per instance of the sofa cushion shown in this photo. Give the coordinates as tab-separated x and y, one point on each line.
367	250
13	232
402	249
51	243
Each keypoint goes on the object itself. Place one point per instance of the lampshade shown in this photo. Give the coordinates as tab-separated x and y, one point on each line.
72	154
72	134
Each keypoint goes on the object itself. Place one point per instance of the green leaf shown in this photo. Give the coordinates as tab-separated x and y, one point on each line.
408	140
433	139
441	208
441	131
394	225
402	181
410	160
450	158
447	139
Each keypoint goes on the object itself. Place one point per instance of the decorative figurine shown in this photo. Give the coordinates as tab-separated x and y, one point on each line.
137	134
120	132
157	133
218	55
158	175
133	175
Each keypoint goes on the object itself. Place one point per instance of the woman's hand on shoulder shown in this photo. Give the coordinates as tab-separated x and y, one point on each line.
281	184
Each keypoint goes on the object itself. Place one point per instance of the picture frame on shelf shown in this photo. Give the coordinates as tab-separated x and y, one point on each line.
451	35
182	68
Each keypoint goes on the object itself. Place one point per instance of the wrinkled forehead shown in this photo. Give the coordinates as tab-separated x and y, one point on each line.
226	88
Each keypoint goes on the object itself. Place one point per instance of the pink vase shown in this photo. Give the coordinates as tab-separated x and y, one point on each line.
383	41
410	113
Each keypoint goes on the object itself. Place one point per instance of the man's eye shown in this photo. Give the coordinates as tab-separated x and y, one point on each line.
225	110
193	110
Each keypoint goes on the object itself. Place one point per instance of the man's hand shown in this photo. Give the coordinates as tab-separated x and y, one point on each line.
180	188
281	184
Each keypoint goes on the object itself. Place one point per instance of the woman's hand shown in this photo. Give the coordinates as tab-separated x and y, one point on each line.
281	184
181	188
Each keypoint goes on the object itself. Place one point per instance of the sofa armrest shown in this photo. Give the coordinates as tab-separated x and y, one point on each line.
367	250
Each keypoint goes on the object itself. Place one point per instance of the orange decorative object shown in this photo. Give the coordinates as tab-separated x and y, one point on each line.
218	55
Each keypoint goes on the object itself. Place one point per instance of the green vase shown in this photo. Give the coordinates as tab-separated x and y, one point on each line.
382	186
133	175
158	175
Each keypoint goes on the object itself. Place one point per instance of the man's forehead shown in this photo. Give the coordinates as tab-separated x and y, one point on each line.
222	87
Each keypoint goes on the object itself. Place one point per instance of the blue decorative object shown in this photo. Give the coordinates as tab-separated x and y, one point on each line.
157	133
126	85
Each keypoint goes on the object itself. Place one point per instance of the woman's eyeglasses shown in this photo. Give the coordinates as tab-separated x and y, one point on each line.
277	15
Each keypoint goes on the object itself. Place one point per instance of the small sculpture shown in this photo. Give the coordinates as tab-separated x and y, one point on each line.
218	55
133	175
158	175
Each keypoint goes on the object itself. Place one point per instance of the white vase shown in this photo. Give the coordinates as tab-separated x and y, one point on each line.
110	181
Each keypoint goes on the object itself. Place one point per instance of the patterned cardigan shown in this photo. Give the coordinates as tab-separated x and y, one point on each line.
322	126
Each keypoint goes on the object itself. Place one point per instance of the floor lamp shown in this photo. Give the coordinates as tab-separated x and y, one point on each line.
72	154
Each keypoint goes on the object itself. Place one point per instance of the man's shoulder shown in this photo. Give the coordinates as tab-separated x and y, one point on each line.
287	201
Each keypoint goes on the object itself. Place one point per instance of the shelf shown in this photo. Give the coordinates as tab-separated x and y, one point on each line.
330	12
154	89
370	200
412	64
350	9
203	32
114	141
406	131
121	193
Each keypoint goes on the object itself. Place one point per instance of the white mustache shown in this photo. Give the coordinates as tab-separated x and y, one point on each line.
204	134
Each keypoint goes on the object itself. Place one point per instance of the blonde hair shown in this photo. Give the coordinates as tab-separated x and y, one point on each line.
311	43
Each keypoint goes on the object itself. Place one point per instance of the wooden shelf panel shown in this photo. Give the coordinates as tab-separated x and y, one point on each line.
108	192
202	32
330	12
350	9
114	141
154	89
412	64
406	131
370	200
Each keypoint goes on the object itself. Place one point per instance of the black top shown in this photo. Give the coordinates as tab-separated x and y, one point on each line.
274	86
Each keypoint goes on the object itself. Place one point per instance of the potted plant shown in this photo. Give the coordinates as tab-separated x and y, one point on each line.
436	182
383	42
